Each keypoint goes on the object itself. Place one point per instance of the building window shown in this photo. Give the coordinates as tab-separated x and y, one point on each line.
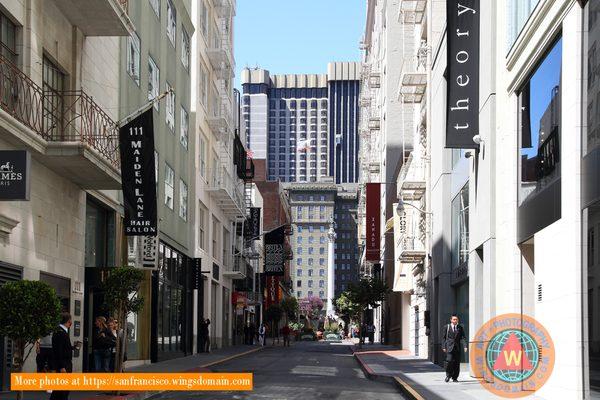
185	49
133	57
203	82
184	127
169	182
299	240
321	294
310	293
310	272
170	103
202	151
321	261
215	244
299	294
204	18
321	272
298	262
156	7
156	168
321	284
202	226
298	283
153	81
99	236
54	85
299	229
8	34
183	199
519	12
171	22
310	283
540	102
460	227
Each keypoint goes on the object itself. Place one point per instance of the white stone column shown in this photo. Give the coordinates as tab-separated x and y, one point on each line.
331	269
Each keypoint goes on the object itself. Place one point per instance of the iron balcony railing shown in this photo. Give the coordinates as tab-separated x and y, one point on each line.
66	116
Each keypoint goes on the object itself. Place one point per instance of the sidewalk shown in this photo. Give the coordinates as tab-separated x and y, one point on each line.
195	363
417	378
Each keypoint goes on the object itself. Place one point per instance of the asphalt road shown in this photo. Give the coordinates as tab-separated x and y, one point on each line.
306	370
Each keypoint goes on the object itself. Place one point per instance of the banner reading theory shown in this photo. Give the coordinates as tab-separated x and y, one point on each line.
136	142
462	122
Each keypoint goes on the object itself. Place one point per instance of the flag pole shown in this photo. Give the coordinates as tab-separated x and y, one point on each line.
142	109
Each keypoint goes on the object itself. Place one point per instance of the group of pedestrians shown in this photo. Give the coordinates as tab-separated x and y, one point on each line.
367	331
104	343
251	334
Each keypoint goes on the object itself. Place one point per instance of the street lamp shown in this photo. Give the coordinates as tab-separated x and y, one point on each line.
401	206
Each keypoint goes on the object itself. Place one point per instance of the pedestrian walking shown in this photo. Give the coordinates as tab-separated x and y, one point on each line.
101	345
62	352
252	332
285	332
207	331
453	336
43	358
261	334
202	334
371	333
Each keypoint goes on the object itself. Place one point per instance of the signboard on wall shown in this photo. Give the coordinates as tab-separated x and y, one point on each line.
149	256
272	291
14	174
253	223
136	142
462	117
373	222
274	252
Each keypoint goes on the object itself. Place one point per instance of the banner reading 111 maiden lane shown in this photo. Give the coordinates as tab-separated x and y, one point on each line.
136	142
462	121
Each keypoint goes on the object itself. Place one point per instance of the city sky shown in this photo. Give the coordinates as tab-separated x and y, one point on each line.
291	36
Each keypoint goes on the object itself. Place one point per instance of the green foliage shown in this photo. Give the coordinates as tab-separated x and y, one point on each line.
289	306
368	292
273	313
29	310
296	326
121	298
121	291
346	305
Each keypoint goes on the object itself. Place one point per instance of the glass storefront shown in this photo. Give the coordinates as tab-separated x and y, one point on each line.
174	311
591	192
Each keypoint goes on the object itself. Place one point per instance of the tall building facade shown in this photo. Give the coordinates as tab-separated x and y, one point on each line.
314	208
305	126
163	35
60	102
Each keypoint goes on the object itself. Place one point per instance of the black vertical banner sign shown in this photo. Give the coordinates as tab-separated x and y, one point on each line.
462	121
136	142
274	253
253	223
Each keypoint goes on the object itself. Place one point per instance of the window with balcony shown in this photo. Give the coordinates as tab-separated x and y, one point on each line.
133	57
185	49
184	126
171	22
170	107
169	183
53	86
183	199
155	4
8	34
203	82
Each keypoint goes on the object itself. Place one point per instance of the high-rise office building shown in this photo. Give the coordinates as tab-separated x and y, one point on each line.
304	126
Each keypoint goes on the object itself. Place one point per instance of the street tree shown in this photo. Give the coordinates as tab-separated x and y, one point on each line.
289	306
273	315
367	293
121	297
29	310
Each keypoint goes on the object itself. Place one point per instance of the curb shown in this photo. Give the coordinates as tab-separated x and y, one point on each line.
402	386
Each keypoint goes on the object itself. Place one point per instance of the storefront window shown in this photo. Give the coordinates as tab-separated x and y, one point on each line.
460	227
540	117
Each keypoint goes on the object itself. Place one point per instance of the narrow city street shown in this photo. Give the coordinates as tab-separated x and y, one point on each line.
305	370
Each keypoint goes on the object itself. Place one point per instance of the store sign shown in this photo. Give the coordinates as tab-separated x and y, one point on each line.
136	140
14	174
272	289
373	222
462	122
149	254
274	252
253	223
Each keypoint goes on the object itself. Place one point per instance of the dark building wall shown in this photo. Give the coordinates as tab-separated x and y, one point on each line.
346	263
343	130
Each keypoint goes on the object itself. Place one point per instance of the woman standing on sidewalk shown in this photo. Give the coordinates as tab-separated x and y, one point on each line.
101	345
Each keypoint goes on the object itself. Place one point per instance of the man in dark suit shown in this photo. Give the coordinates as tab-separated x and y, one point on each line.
453	336
62	352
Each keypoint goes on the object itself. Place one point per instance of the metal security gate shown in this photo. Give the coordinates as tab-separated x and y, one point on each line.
8	273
